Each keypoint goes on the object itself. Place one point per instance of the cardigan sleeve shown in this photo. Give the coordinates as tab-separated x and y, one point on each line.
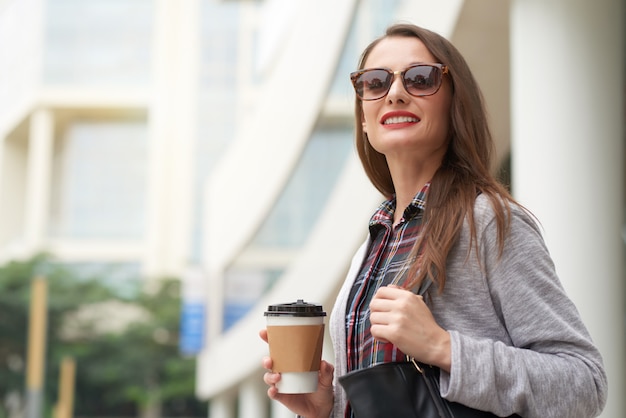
518	342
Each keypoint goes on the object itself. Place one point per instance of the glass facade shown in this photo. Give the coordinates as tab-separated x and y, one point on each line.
101	178
217	99
98	43
293	217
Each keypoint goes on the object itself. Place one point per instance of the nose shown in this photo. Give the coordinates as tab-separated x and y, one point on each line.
396	90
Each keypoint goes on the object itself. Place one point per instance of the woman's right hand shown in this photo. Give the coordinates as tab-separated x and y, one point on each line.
318	404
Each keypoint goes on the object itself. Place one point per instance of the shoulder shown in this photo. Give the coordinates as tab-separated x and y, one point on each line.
516	216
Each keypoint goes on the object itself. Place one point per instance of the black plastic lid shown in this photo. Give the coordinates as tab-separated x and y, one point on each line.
299	308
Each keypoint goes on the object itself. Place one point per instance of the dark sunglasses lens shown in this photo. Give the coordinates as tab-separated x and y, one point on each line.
422	80
373	84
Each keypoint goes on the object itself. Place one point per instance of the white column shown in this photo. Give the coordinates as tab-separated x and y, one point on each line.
567	61
280	411
253	400
3	191
222	406
38	174
172	124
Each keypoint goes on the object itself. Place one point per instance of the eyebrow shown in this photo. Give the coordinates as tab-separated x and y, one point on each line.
407	66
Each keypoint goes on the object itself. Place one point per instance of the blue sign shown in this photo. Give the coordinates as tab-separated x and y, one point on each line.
192	325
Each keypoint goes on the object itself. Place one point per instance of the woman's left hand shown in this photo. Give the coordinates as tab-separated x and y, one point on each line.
402	318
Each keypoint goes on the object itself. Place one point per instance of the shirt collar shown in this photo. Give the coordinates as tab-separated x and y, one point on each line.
384	214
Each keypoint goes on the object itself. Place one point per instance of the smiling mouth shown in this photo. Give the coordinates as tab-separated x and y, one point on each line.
400	119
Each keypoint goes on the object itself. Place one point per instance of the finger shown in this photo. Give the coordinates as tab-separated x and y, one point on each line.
388	299
267	363
379	305
378	333
381	331
380	318
382	304
263	334
271	378
272	392
387	292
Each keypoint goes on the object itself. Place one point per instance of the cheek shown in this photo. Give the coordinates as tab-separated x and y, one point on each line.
443	114
368	117
443	127
446	107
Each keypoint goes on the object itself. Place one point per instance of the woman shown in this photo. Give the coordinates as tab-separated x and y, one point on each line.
496	320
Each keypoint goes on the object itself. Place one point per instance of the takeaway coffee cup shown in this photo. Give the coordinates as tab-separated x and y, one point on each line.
295	333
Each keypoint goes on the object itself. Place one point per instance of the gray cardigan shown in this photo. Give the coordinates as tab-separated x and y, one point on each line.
518	342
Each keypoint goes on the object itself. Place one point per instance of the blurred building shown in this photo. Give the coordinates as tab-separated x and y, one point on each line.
163	137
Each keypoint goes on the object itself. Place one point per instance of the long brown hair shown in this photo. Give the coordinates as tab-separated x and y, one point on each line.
464	172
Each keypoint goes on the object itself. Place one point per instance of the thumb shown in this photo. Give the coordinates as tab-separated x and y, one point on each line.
327	372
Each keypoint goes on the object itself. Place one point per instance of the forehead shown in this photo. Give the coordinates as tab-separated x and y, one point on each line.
398	52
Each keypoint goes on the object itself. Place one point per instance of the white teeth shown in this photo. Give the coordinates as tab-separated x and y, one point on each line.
400	119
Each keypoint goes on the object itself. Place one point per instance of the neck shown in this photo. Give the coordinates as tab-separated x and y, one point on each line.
404	197
408	180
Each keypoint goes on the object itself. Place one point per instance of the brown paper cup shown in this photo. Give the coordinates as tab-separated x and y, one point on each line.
295	334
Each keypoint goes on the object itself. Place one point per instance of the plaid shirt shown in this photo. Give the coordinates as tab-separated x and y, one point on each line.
385	264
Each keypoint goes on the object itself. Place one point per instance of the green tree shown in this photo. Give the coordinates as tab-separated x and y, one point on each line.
65	292
124	367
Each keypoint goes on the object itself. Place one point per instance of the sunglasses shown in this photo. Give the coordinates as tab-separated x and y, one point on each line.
418	80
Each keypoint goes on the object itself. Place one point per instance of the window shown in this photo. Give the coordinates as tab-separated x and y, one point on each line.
101	171
98	42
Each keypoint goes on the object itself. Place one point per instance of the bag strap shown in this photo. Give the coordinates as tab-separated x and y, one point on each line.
431	382
424	286
421	291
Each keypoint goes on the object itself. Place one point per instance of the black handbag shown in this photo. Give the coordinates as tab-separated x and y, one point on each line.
407	389
401	390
